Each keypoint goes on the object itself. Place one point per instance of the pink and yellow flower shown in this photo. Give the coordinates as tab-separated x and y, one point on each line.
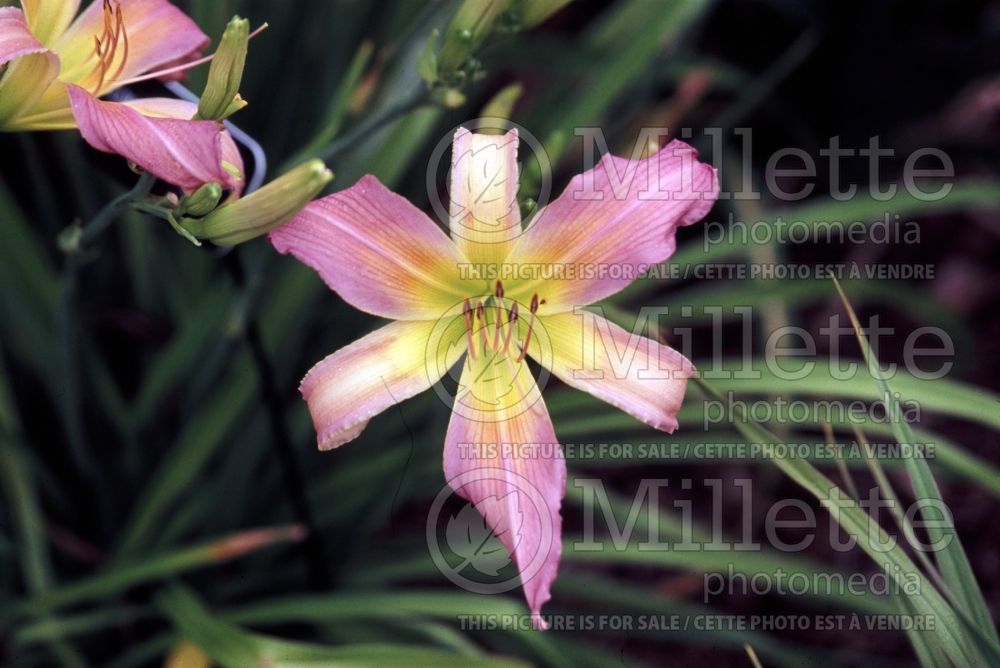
384	256
58	65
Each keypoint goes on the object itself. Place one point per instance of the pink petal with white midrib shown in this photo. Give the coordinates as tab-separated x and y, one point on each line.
518	491
378	252
185	153
612	221
346	389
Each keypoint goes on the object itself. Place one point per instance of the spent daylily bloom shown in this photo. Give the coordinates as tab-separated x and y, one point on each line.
58	65
497	293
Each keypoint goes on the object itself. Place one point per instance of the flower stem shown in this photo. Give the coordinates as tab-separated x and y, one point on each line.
106	216
368	127
281	440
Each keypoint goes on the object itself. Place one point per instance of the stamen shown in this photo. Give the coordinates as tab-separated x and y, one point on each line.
100	63
499	323
124	37
470	340
531	324
506	318
481	314
106	46
511	327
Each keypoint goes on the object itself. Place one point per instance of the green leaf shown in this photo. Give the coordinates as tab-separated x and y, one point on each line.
235	648
951	557
204	435
117	578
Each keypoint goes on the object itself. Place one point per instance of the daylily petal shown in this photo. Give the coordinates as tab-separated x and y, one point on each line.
30	67
48	19
501	453
349	387
16	38
485	217
171	107
158	34
183	152
612	222
644	378
379	252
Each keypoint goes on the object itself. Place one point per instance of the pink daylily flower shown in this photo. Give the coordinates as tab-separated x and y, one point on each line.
59	64
384	256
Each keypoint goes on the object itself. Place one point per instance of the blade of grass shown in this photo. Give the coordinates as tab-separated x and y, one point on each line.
613	596
231	646
201	438
120	577
963	196
940	395
198	332
17	486
951	557
949	632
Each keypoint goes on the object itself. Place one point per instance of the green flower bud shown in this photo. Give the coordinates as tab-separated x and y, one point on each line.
221	98
201	202
449	97
502	105
70	239
260	212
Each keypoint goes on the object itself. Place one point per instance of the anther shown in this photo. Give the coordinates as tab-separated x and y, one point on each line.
499	291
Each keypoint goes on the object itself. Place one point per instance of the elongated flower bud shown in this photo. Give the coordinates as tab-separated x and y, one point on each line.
260	212
222	98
